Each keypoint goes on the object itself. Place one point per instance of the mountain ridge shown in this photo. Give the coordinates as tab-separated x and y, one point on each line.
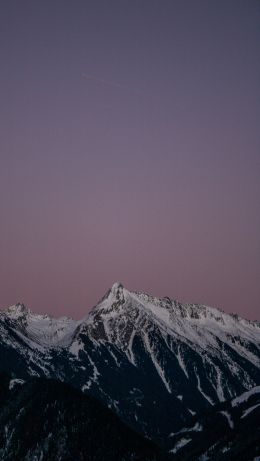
20	310
139	354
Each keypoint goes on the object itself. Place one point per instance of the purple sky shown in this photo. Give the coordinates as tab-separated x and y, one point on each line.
129	150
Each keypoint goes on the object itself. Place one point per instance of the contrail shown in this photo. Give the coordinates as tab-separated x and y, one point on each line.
112	83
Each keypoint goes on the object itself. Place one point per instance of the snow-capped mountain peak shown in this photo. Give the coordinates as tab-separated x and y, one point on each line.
189	356
17	311
118	294
194	323
117	287
113	300
39	330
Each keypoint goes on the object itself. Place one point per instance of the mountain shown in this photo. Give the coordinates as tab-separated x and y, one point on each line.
229	432
46	420
139	355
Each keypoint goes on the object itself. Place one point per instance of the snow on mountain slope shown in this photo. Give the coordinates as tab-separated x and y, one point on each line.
41	329
192	355
140	354
196	325
230	432
27	341
123	316
246	396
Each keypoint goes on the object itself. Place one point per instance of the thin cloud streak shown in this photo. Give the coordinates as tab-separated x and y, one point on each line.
111	83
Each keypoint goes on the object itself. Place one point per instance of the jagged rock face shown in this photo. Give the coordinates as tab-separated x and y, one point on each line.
156	362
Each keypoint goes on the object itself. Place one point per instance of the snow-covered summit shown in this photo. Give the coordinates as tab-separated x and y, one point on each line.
117	287
187	356
114	298
122	311
118	293
39	329
16	311
196	323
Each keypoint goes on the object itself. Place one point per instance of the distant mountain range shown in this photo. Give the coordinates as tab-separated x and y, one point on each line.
158	364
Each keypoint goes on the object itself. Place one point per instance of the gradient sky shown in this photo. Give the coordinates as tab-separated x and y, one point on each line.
129	150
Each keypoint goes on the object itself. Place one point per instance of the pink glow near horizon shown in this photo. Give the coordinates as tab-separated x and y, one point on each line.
147	172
